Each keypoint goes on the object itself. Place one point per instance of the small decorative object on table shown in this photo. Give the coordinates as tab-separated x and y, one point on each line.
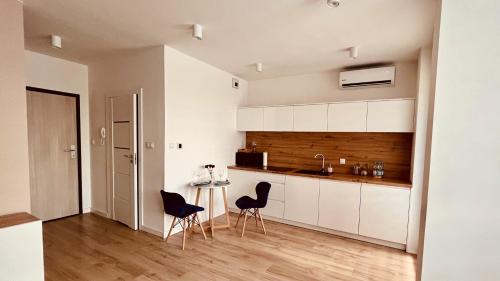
210	168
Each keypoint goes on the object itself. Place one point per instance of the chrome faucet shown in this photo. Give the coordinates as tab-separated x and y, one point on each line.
323	164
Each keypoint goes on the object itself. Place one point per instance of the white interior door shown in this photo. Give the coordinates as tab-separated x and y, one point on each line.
124	159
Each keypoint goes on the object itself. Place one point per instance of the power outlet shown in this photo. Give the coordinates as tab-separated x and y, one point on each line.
342	161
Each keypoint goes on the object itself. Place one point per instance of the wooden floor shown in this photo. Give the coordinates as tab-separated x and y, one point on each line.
89	247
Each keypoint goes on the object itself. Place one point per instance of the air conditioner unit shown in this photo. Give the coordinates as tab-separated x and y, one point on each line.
369	77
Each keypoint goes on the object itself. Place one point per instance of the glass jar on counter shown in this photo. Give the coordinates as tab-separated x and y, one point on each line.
378	169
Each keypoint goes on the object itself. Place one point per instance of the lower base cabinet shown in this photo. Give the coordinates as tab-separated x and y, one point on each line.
384	212
274	208
339	205
370	210
243	183
301	199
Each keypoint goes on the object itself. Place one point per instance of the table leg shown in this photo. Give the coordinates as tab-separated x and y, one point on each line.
198	191
224	195
211	211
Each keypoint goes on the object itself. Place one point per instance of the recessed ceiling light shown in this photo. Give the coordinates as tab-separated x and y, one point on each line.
198	31
258	67
333	3
353	52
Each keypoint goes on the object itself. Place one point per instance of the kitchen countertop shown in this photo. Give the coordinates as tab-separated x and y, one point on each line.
16	219
334	176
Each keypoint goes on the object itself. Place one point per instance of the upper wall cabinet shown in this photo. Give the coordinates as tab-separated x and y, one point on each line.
278	118
250	119
347	117
391	116
310	118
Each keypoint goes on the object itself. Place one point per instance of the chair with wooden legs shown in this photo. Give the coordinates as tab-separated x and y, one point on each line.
186	215
251	206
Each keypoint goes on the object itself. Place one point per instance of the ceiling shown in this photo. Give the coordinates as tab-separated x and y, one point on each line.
288	36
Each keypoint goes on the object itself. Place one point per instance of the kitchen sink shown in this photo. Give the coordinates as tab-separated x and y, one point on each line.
312	172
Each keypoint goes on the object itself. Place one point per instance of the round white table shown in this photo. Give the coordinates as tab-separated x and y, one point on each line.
211	187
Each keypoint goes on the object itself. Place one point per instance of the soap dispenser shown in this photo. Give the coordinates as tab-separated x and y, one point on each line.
330	169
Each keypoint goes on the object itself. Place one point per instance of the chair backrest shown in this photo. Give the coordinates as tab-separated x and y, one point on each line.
173	203
262	189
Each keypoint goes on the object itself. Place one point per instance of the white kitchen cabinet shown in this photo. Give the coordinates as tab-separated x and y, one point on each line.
347	117
391	116
384	212
274	208
250	119
339	205
242	183
301	199
278	118
310	118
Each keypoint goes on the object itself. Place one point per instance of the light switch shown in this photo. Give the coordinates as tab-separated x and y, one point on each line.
342	161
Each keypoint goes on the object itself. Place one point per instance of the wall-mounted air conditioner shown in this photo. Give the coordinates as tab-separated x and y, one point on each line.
369	77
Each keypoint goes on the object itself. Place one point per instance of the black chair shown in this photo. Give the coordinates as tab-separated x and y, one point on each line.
246	204
184	214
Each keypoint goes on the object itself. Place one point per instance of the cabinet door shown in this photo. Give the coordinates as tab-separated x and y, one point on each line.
310	118
250	119
347	117
274	208
242	183
301	199
278	119
384	212
391	116
339	205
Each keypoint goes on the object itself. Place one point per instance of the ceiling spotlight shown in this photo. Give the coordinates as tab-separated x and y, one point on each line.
333	3
198	31
258	67
56	41
353	52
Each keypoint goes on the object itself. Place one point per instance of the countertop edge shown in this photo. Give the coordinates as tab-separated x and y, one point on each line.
14	219
337	177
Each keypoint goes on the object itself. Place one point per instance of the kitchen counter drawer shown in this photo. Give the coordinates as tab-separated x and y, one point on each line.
269	177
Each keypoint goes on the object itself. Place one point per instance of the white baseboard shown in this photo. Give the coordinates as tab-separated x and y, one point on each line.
86	210
334	232
152	231
99	213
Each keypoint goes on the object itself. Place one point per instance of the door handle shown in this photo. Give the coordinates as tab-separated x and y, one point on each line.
133	158
72	149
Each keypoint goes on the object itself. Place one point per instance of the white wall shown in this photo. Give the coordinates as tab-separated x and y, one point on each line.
200	108
419	146
14	161
462	229
125	73
324	87
61	75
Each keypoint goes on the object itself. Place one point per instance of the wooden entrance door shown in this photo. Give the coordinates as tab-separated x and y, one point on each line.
53	153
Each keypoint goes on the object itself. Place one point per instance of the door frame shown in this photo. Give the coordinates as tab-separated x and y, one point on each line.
78	135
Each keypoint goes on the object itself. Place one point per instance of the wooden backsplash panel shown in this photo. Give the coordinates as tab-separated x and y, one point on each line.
297	150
